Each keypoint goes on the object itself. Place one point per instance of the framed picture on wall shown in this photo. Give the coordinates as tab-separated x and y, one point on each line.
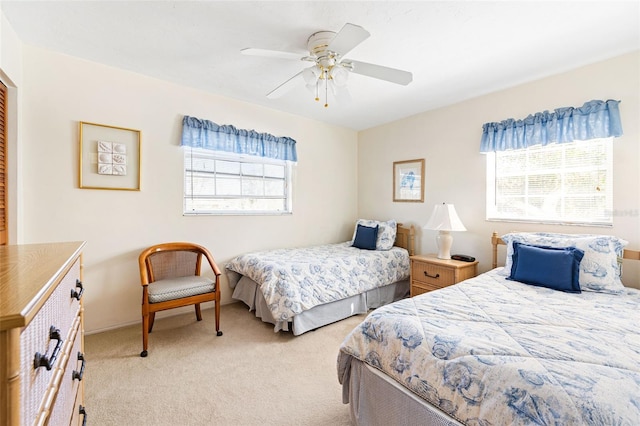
109	157
408	181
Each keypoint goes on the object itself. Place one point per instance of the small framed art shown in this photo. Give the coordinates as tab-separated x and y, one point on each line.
408	181
109	157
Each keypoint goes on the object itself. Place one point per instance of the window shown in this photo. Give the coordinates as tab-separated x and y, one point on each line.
217	182
569	183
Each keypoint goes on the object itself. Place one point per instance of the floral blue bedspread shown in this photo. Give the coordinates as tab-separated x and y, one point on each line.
297	279
490	351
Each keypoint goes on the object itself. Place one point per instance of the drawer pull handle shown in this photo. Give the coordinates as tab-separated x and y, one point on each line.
41	360
78	374
77	294
83	412
426	274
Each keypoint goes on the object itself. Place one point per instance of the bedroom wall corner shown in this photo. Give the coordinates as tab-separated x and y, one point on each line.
448	139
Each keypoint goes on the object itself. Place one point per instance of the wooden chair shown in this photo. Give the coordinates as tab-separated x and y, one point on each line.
170	278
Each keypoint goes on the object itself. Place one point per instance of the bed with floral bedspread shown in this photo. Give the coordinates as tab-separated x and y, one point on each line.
302	289
493	351
297	279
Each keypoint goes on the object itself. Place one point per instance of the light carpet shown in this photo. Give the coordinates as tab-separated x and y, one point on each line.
248	376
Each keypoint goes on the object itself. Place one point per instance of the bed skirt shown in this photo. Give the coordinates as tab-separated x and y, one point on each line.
375	399
246	290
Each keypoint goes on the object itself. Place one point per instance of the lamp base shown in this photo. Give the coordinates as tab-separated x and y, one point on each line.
444	241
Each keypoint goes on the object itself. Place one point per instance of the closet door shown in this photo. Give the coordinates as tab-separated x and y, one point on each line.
3	165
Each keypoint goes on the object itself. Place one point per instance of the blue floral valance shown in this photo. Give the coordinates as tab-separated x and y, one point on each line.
206	134
593	120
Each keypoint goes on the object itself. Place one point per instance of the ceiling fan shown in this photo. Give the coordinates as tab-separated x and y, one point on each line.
330	70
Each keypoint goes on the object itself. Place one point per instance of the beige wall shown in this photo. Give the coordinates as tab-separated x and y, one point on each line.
59	91
449	140
10	53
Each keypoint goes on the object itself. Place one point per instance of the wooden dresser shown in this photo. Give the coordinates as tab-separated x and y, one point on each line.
41	334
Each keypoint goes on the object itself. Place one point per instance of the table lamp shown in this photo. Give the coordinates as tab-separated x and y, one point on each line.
444	219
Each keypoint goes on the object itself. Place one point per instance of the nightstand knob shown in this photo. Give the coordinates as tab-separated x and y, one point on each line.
426	274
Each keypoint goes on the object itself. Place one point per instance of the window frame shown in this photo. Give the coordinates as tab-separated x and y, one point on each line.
603	220
287	199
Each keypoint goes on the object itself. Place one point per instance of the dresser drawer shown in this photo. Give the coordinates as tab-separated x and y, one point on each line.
59	313
431	276
78	415
65	400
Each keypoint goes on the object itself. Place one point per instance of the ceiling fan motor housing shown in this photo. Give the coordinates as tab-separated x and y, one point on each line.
318	44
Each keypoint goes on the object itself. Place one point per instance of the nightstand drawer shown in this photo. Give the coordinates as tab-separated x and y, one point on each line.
418	287
431	276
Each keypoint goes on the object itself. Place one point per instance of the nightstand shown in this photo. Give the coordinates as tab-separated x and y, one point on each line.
430	273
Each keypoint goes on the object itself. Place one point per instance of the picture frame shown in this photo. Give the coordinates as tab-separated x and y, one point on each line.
109	157
408	181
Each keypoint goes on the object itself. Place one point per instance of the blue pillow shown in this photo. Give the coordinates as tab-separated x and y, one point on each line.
366	237
557	268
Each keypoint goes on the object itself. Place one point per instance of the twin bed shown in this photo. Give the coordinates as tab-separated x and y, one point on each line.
494	350
301	289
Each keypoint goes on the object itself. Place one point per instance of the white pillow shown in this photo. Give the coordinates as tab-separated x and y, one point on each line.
386	232
599	268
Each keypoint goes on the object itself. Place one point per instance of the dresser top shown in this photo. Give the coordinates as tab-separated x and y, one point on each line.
28	275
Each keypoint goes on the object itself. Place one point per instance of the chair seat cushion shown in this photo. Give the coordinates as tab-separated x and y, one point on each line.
177	288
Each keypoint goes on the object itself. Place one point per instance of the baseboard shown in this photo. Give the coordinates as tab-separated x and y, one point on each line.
159	315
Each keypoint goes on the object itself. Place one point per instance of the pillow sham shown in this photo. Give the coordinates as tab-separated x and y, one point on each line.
550	267
386	232
366	237
599	268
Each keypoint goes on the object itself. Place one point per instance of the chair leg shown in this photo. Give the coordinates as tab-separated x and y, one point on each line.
152	318
217	307
198	312
145	335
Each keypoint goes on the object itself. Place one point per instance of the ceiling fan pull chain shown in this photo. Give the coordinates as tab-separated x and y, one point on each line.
326	88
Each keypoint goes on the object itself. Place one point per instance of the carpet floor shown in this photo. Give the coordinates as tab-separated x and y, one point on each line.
248	376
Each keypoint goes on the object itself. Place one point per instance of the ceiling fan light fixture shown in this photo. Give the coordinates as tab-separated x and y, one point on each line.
337	90
311	75
339	76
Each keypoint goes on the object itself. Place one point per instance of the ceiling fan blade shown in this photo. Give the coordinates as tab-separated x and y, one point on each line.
347	38
383	73
285	87
271	53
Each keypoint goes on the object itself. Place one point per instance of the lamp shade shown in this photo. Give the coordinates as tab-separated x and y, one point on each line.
444	218
311	75
339	76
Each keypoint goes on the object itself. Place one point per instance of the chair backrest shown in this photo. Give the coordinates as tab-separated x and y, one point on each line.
172	264
171	260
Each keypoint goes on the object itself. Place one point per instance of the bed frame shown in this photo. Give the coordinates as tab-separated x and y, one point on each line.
496	241
406	238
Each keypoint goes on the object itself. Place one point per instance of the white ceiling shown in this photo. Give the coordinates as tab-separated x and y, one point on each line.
456	50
